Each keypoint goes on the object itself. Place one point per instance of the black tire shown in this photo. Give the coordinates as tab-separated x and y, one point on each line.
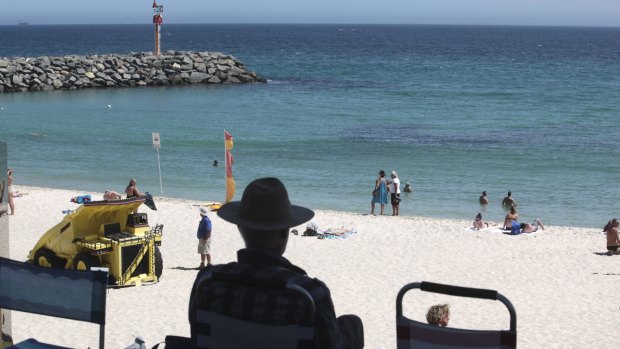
46	258
159	263
85	261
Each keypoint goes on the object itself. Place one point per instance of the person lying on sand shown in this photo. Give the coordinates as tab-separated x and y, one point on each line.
530	228
111	195
613	240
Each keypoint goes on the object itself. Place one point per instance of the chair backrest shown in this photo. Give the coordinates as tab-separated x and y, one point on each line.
70	294
415	334
211	329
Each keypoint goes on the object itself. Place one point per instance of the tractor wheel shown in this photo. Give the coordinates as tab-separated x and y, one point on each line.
46	258
85	261
159	263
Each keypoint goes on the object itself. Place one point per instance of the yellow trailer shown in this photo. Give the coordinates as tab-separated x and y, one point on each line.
107	234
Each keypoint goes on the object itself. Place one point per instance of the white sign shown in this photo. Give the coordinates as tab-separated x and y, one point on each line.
156	140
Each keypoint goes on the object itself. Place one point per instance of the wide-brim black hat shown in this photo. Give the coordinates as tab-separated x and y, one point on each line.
265	206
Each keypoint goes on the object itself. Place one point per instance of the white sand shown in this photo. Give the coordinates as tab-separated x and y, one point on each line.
564	290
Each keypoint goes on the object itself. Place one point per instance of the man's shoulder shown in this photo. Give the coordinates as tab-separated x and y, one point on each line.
317	288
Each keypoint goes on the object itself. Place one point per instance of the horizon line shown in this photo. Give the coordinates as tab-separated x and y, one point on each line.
20	24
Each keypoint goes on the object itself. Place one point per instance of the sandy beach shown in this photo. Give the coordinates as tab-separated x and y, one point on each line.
563	286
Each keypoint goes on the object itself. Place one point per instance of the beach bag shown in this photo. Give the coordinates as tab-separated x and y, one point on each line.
515	229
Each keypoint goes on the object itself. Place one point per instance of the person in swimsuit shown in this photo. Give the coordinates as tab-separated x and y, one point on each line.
530	228
131	189
508	201
111	195
9	176
479	223
511	216
380	193
483	199
613	240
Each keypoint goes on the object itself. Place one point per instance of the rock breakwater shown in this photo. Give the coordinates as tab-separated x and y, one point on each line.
19	74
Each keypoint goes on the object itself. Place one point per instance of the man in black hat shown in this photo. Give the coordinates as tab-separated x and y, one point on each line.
264	216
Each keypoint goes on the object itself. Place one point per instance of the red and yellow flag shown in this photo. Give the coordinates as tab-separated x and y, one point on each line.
230	181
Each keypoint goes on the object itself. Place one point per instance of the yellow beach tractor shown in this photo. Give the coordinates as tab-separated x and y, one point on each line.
105	234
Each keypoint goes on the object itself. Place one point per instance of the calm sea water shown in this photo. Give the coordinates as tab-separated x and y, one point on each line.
454	109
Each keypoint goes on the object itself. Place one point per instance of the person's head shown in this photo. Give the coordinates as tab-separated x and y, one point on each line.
264	215
522	225
509	194
479	216
611	224
394	174
407	184
9	172
484	193
203	212
513	209
132	182
438	315
381	173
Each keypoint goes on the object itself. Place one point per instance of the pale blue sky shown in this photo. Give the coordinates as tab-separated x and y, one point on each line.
502	12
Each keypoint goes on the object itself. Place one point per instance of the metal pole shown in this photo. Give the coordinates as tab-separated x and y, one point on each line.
161	187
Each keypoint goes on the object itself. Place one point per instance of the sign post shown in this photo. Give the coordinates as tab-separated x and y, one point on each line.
5	315
157	145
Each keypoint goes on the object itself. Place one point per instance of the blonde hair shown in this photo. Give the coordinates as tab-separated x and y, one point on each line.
436	313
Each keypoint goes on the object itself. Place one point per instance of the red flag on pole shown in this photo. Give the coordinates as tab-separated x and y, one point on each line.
230	181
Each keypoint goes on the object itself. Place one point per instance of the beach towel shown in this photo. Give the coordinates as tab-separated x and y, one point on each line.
80	199
337	233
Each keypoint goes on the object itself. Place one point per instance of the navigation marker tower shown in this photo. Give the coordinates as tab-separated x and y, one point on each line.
157	20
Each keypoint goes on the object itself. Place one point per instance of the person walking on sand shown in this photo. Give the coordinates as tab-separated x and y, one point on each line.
394	187
204	238
613	239
508	201
379	194
9	177
483	199
131	189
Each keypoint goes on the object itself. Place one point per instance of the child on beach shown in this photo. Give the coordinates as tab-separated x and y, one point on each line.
613	240
438	315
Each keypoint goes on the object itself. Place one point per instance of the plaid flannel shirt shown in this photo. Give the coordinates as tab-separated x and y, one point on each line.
272	308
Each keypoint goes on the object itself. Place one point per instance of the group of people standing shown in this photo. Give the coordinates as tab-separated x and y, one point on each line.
385	188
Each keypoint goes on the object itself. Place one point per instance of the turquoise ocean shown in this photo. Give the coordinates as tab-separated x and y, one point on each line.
454	109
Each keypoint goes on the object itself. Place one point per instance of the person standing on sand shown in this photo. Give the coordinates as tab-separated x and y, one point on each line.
613	239
131	189
9	177
483	199
508	201
379	194
394	186
204	238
